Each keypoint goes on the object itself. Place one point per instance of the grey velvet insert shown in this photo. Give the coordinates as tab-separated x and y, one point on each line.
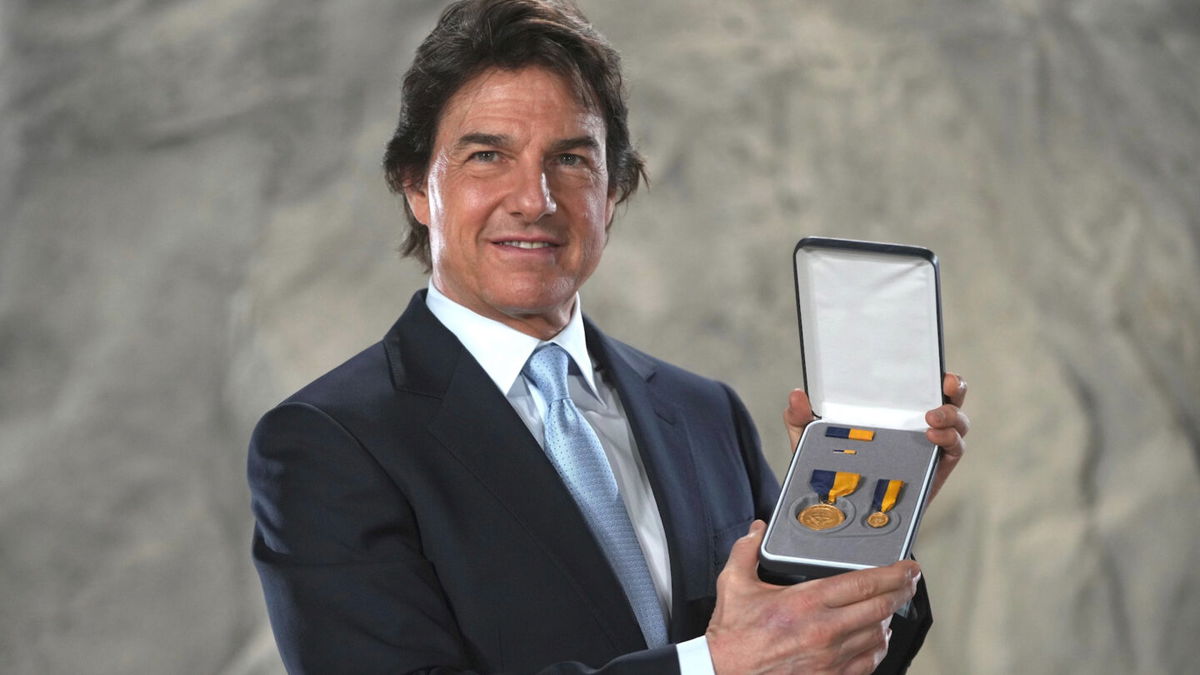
893	454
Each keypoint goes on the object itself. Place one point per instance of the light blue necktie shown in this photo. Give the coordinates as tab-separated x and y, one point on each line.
575	450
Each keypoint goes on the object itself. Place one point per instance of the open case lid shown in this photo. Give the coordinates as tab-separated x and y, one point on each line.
870	330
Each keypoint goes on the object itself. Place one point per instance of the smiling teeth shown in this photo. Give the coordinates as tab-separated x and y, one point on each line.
527	244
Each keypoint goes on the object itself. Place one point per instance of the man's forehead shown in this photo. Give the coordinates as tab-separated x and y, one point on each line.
497	98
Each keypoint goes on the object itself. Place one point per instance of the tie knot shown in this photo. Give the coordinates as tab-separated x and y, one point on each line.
547	367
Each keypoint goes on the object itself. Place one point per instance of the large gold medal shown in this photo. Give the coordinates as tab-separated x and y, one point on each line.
821	516
829	485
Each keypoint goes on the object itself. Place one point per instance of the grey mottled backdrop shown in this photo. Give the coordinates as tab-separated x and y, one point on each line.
194	224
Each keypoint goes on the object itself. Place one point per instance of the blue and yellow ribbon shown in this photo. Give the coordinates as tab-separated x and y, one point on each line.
886	493
852	434
829	485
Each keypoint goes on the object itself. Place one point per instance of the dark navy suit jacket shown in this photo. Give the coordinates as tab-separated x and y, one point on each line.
408	521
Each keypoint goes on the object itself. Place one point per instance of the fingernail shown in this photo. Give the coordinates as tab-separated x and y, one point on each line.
962	384
939	416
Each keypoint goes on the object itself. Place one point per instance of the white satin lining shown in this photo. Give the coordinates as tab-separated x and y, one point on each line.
871	348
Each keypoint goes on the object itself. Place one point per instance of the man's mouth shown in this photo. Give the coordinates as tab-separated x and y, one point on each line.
526	244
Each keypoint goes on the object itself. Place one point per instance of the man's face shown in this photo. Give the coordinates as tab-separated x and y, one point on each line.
516	198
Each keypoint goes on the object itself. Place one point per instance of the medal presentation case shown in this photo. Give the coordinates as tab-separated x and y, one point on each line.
871	339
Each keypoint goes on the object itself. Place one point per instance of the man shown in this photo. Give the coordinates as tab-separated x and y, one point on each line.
497	485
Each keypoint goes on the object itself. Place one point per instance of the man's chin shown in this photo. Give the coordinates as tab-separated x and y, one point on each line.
535	298
550	308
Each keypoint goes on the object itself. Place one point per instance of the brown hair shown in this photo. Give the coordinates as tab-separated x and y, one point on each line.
474	35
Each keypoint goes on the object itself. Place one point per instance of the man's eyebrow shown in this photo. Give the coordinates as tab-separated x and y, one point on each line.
476	138
588	142
501	140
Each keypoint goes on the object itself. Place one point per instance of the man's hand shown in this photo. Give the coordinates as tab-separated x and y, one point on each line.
797	416
948	424
835	625
947	427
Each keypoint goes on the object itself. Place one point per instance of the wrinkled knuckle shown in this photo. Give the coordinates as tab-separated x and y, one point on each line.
883	607
807	601
827	661
864	585
725	581
953	446
880	636
820	636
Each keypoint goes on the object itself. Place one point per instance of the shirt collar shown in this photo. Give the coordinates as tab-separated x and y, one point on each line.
503	351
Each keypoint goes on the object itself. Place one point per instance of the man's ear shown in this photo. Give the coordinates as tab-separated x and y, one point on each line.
418	201
610	208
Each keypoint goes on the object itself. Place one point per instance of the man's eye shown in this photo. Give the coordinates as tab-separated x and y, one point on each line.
484	156
570	159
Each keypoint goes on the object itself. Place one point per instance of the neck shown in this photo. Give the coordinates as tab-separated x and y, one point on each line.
541	324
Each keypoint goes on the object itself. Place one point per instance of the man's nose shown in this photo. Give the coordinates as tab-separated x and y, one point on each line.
531	199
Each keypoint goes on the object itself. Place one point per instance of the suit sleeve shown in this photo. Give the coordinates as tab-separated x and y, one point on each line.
763	483
338	550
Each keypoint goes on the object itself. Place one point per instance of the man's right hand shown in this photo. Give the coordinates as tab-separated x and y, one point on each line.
839	624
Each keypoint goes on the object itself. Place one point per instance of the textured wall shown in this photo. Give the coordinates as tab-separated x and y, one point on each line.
194	224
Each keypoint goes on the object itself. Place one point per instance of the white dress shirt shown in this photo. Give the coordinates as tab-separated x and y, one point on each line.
502	352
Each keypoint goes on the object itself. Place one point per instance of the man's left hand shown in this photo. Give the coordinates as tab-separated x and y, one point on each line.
948	424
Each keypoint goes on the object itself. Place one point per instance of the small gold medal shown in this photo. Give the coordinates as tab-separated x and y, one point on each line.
878	519
821	516
886	493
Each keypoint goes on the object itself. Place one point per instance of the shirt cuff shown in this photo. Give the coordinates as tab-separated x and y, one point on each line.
694	658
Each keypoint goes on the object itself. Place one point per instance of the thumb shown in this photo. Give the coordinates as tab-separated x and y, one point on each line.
796	416
743	557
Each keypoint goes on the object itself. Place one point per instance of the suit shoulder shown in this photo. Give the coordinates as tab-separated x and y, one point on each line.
352	384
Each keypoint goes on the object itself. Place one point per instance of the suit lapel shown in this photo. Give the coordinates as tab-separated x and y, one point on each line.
479	427
666	452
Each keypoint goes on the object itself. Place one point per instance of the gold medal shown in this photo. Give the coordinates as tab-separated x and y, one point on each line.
878	519
886	493
821	516
829	485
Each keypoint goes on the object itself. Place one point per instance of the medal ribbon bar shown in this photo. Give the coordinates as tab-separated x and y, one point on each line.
852	434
